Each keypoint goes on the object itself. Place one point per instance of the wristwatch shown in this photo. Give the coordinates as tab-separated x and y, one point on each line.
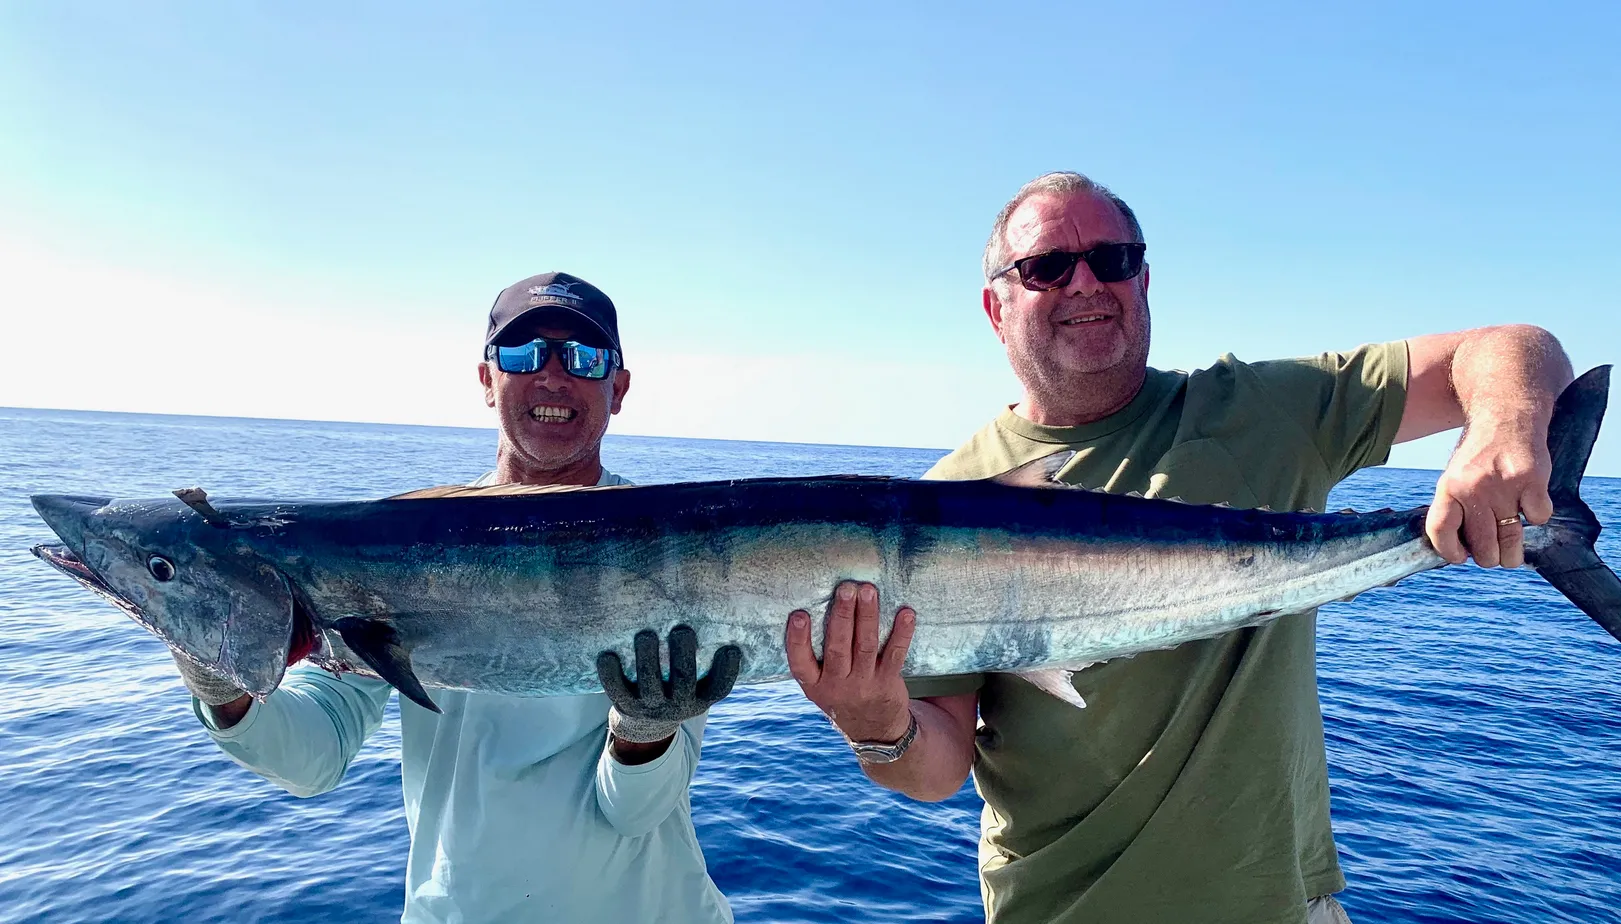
885	752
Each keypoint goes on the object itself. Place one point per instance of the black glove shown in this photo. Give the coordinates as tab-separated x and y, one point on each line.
652	708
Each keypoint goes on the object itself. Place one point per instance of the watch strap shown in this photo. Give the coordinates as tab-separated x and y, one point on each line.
885	752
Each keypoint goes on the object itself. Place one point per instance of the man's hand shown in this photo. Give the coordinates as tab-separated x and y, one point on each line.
858	686
1500	383
649	711
1498	471
225	701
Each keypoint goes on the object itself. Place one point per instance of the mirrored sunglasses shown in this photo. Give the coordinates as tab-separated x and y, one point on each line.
579	360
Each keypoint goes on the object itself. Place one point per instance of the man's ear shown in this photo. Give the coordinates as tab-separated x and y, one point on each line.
488	380
620	386
993	310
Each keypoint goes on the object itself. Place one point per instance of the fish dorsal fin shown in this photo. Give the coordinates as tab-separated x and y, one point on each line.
1349	511
1058	681
495	490
197	499
1042	473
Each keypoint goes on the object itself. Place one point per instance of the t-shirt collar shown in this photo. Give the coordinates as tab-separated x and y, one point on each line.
1155	384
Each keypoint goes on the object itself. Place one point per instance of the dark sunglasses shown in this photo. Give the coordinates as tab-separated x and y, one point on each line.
1055	268
579	360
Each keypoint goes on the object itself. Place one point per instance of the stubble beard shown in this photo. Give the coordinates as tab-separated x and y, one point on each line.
533	452
1056	380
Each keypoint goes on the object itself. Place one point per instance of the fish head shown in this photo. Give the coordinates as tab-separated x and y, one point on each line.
201	588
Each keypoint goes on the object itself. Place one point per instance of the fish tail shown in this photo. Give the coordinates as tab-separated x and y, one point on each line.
1562	550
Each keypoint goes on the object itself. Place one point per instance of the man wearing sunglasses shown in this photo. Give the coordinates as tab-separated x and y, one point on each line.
1194	786
545	809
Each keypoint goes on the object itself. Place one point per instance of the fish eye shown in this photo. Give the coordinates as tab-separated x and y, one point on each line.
161	568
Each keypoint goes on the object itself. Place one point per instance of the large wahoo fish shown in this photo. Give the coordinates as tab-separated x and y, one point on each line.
517	594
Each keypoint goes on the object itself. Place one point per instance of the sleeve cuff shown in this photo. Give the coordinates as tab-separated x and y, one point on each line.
954	685
225	734
1394	394
621	769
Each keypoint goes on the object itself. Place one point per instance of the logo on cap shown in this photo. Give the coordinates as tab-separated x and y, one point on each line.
563	290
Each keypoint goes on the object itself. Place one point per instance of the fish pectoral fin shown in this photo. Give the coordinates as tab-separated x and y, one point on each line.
1058	681
379	646
1042	473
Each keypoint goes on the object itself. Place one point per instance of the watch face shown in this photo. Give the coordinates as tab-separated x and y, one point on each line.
878	754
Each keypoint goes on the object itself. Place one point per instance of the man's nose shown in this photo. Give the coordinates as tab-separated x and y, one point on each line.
1082	282
551	372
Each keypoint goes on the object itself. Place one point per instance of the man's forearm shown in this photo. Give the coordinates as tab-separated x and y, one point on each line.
936	764
1509	376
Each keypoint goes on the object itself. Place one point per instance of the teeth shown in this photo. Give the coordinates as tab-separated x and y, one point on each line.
551	413
1083	320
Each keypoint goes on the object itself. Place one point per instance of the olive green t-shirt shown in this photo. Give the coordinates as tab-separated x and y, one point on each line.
1193	786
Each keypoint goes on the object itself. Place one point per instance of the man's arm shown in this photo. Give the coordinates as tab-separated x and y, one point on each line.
1499	384
655	727
303	736
858	686
637	796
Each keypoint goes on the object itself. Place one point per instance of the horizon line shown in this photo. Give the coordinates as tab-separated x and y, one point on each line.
378	423
640	436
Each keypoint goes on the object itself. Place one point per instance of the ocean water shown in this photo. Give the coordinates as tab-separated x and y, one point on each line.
1473	721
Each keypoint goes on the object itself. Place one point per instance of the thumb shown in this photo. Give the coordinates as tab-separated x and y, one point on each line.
611	674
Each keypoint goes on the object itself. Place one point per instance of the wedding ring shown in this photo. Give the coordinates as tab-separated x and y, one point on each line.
1508	520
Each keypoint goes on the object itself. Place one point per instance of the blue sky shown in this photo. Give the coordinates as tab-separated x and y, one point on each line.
298	211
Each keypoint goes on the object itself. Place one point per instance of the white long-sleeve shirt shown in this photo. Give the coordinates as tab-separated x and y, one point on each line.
517	809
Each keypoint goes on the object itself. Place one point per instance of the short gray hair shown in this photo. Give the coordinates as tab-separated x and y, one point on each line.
1058	183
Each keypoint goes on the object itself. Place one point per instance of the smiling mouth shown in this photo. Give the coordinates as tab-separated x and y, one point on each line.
552	413
1084	319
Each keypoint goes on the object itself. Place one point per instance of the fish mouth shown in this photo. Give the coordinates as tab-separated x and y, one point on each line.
64	560
67	561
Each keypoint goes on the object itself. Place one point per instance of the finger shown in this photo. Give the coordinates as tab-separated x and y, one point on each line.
683	662
866	631
802	661
611	674
1480	535
900	641
722	675
1511	543
1441	525
836	640
649	673
1536	505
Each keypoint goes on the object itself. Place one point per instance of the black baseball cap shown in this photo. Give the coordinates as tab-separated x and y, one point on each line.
556	297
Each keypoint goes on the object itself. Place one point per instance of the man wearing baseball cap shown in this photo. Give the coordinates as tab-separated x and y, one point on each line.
545	809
